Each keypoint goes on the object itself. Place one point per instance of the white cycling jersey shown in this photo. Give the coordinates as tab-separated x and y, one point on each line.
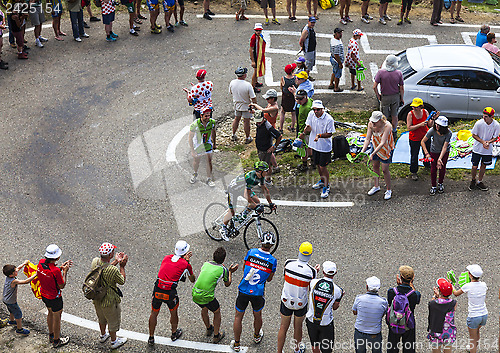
298	274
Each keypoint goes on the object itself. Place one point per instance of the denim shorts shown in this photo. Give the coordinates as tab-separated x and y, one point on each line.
475	322
15	310
385	161
337	71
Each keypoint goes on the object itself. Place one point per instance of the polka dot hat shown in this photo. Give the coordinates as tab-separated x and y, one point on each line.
106	249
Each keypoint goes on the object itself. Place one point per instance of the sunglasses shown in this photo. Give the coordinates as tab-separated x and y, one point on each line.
316	109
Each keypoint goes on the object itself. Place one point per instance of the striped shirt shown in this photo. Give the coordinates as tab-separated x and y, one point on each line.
371	309
385	151
111	276
298	275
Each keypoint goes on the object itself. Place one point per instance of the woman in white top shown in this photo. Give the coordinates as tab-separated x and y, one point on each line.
476	292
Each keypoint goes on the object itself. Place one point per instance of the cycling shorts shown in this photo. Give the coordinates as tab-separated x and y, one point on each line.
232	196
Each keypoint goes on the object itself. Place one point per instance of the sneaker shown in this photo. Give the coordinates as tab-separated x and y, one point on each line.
234	346
114	35
387	194
43	39
120	341
84	35
103	338
243	18
141	17
472	185
387	18
343	21
210	182
111	39
13	45
206	16
210	331
407	20
268	182
365	20
176	335
293	19
219	337
170	29
256	90
400	22
414	176
234	138
22	56
373	190
223	233
276	22
151	341
210	12
183	23
176	24
257	339
325	192
193	178
302	348
482	187
78	39
51	338
318	185
248	140
156	31
440	188
38	43
382	21
61	342
158	26
12	323
267	22
23	332
368	17
348	19
133	33
85	25
433	191
95	19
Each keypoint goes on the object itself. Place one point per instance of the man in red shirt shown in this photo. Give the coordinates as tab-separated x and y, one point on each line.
200	95
172	270
51	282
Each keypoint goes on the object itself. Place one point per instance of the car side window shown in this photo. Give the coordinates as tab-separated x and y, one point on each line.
451	79
429	79
483	80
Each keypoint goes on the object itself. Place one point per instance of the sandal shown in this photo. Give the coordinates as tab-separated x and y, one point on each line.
136	20
243	18
459	19
175	336
338	90
141	17
452	20
62	34
59	38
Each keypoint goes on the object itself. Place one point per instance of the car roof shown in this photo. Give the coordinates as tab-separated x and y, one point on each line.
449	55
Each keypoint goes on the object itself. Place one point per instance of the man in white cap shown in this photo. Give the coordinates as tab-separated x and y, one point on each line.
108	309
52	280
324	297
243	94
369	309
392	90
476	292
298	274
321	127
172	270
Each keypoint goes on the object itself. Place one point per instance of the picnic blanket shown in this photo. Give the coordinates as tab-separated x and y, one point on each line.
460	153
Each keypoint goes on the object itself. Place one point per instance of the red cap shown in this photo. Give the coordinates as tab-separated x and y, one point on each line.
445	287
290	67
489	110
201	74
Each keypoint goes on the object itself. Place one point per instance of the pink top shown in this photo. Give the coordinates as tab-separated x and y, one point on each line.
490	47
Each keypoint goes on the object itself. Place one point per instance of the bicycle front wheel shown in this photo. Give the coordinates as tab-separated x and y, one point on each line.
213	219
251	237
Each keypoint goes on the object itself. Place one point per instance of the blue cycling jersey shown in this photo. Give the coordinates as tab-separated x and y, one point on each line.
262	264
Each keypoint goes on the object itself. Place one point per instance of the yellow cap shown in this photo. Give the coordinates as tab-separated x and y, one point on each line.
302	74
306	248
417	102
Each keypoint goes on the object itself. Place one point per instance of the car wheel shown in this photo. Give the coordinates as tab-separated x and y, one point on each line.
403	113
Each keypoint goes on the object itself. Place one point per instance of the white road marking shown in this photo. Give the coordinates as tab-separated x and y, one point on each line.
466	37
309	203
465	25
170	154
365	44
255	16
92	325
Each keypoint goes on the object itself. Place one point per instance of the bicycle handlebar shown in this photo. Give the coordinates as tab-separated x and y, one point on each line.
270	209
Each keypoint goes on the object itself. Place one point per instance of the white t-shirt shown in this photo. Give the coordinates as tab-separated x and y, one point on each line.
242	92
321	125
298	275
476	292
314	298
485	132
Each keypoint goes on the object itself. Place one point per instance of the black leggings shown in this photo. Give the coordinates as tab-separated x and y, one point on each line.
406	5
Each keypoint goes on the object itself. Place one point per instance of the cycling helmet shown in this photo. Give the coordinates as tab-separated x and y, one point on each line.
268	238
261	166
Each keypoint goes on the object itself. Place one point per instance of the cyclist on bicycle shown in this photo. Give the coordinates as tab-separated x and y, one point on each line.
246	182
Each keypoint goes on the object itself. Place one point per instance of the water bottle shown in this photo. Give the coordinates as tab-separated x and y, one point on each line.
431	115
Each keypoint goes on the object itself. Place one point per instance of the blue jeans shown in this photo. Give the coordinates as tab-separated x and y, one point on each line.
362	341
15	310
11	34
77	23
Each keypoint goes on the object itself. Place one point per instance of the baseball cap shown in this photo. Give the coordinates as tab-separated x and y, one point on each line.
258	26
489	110
406	273
300	59
330	268
106	249
357	32
302	74
338	30
181	248
376	116
442	120
445	287
270	93
240	71
305	251
52	252
373	283
312	19
475	270
317	104
290	67
417	102
201	74
301	93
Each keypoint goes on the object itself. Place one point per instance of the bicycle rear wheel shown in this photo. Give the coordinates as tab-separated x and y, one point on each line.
251	238
213	219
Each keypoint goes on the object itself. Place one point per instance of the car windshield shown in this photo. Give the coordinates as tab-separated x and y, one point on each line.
404	66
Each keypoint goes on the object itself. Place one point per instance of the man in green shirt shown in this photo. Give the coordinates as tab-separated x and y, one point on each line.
204	291
303	107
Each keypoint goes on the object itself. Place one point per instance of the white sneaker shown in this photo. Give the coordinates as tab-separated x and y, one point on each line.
104	337
210	182
223	234
258	339
387	194
373	190
78	39
365	20
234	347
382	21
120	341
325	192
38	43
43	39
193	178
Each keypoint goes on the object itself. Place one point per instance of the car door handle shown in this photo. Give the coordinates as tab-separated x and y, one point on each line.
475	99
434	95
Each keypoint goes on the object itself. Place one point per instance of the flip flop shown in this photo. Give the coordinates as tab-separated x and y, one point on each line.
59	38
360	89
62	34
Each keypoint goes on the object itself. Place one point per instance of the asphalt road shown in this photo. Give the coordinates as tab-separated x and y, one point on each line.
71	113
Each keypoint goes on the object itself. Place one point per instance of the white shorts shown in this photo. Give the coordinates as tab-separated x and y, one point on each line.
245	115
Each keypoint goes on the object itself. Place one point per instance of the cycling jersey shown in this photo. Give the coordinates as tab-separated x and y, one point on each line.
201	94
298	275
202	135
171	270
248	180
204	288
261	264
321	298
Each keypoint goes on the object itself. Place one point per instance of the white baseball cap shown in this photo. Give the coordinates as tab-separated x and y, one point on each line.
106	248
181	248
442	120
373	283
53	252
330	268
317	104
258	26
376	116
475	270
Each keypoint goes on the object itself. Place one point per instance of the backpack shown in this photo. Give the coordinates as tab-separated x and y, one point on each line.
399	316
340	147
92	286
284	146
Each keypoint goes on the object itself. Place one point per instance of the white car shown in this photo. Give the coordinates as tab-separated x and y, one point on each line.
457	80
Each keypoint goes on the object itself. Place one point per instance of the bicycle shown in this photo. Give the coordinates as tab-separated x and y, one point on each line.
213	220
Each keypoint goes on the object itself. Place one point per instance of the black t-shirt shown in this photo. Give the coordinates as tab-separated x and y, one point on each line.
265	133
413	299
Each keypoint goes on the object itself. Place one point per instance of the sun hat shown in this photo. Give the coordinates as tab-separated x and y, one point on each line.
445	287
376	116
305	251
357	32
391	62
106	248
330	268
181	248
201	74
442	120
290	67
373	283
258	26
475	270
52	252
406	273
302	74
417	102
489	110
270	93
317	104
